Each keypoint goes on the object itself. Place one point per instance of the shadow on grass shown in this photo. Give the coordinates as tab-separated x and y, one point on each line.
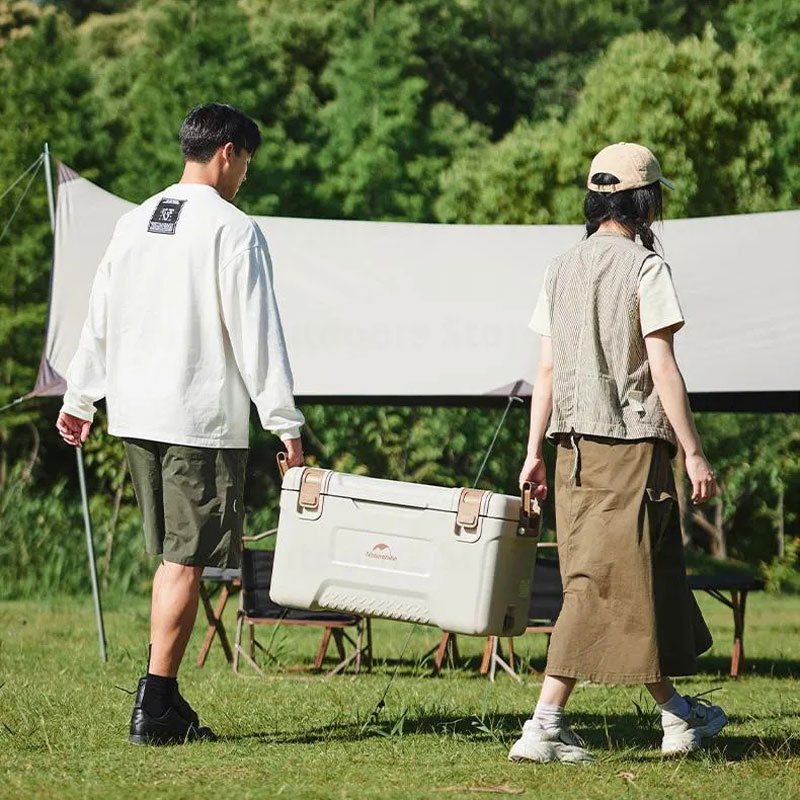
762	667
610	733
469	666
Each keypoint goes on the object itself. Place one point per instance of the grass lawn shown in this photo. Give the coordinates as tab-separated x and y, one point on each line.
63	721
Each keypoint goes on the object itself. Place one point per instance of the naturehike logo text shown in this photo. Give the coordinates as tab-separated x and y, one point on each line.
382	552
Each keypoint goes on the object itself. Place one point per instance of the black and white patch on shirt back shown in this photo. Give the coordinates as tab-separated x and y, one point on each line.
165	217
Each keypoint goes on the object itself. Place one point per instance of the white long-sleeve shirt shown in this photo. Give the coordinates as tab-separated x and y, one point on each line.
183	328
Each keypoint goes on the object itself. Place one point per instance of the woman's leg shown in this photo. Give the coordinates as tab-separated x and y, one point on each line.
661	691
544	736
556	690
549	709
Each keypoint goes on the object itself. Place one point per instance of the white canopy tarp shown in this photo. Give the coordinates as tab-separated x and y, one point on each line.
406	312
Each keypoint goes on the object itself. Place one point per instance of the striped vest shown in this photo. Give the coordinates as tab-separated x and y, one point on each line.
602	383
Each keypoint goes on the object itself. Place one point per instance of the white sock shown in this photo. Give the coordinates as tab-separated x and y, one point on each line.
676	705
548	715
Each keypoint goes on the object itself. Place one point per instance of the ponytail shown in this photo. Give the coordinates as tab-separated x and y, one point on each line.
635	210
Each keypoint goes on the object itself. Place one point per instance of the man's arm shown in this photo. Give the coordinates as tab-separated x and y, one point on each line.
251	316
671	390
86	374
541	407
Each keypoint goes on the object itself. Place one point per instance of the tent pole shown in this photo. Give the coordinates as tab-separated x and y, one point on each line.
87	523
48	179
87	520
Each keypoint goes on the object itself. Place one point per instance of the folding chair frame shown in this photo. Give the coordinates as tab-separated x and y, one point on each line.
362	644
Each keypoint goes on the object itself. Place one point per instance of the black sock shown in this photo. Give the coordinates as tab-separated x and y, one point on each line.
157	694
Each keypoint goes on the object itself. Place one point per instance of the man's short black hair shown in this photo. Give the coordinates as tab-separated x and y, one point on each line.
213	125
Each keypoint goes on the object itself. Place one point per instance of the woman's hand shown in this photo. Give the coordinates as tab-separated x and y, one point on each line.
533	470
704	482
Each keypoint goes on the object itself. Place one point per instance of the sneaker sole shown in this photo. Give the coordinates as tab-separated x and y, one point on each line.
552	752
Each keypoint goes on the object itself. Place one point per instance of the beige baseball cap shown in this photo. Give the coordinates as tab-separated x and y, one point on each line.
634	165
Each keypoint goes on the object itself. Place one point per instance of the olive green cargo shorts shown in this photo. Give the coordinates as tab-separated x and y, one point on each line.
191	500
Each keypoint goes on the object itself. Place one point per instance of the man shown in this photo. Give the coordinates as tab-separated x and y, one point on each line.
182	332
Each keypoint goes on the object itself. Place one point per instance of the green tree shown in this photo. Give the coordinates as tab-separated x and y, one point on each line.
263	57
708	114
773	26
757	460
385	144
18	19
46	97
80	9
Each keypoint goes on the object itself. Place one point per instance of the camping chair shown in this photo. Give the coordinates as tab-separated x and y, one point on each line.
256	608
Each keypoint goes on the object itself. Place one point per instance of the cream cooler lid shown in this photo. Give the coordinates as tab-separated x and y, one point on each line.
401	493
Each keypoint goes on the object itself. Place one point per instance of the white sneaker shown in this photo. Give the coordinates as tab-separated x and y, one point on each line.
684	735
540	745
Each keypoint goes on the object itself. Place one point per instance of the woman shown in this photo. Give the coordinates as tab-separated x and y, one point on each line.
617	405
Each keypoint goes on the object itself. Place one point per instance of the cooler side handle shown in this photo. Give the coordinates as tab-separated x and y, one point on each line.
530	513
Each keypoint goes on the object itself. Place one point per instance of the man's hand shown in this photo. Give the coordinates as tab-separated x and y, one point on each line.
704	482
73	430
533	470
294	452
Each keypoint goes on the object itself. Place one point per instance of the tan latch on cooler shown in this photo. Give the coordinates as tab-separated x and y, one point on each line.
530	513
310	487
469	508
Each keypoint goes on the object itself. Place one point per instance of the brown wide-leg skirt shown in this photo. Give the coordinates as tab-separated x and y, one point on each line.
628	614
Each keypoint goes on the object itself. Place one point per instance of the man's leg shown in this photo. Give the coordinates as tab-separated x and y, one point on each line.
176	590
172	613
160	714
153	606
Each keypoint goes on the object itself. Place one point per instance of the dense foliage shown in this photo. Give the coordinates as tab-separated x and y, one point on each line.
423	110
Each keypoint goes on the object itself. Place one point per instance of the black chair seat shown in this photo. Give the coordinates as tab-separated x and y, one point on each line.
226	575
547	592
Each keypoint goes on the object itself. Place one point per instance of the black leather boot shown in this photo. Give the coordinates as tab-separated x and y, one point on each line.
170	728
183	707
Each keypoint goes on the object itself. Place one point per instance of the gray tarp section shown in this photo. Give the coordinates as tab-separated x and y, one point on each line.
400	311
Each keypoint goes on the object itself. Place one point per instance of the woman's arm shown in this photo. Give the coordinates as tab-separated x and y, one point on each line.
541	405
672	393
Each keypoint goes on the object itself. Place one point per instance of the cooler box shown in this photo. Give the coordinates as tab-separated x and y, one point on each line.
460	559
